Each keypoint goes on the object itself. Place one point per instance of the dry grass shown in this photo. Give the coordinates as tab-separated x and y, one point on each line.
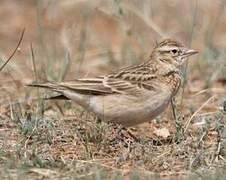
56	139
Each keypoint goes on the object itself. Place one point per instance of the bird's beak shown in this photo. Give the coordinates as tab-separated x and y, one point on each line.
190	52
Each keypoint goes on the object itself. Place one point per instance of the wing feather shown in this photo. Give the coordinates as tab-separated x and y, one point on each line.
130	80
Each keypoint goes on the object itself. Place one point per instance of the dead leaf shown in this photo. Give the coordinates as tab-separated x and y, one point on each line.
163	132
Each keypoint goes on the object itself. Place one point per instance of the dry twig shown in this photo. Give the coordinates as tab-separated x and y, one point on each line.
10	57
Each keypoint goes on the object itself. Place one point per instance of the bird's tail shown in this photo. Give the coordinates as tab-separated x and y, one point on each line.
51	86
47	85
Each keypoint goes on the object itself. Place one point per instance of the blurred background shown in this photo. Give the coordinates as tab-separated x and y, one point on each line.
80	38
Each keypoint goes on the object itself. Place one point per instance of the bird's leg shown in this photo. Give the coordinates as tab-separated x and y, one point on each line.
117	132
121	132
130	134
178	120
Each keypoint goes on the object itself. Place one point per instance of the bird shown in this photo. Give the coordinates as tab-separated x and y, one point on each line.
130	95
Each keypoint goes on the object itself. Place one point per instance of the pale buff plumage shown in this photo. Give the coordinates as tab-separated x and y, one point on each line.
134	94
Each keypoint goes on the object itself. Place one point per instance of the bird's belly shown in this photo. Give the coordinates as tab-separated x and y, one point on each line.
129	110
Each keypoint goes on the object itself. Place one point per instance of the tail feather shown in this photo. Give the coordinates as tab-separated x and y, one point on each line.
86	87
48	85
57	97
51	86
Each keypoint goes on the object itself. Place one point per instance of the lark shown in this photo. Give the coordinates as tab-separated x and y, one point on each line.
131	95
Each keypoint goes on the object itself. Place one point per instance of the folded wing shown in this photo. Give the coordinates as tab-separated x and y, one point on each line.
130	80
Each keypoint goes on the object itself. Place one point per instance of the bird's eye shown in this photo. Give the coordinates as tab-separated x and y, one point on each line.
174	51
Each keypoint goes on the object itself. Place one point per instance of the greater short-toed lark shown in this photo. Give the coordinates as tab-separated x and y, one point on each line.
134	94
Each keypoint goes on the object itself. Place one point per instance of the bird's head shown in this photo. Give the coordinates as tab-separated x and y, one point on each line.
171	52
